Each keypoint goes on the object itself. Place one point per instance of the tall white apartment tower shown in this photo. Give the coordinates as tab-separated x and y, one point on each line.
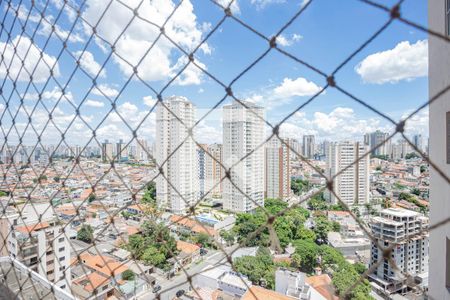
243	132
180	168
309	145
409	231
278	165
352	185
439	149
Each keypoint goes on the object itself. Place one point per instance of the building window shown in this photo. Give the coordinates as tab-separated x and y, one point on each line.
448	130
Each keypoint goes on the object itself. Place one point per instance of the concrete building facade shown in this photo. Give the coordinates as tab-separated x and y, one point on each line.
243	132
408	230
180	168
352	185
278	165
439	149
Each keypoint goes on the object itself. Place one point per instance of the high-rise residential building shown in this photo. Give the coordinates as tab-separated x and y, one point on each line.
352	185
201	164
295	148
121	151
408	230
107	151
278	165
179	167
41	247
418	141
309	146
214	171
141	150
243	133
400	149
439	149
380	139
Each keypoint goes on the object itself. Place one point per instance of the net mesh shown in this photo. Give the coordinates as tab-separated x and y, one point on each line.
33	91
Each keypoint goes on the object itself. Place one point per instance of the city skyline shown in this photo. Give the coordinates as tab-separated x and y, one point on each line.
333	115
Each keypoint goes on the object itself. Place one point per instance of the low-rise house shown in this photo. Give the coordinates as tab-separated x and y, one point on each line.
181	224
93	286
323	284
348	246
257	293
189	253
224	279
293	284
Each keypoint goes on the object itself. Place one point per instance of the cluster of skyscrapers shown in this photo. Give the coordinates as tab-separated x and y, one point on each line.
242	171
246	168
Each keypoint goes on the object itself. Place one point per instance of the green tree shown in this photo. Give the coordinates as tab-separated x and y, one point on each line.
91	198
228	236
128	275
321	228
423	168
150	194
296	261
359	267
56	178
259	269
85	233
415	191
154	245
308	252
406	196
305	234
344	280
153	256
411	155
204	240
299	186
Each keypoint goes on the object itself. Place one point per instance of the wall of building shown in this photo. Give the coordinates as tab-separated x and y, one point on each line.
439	78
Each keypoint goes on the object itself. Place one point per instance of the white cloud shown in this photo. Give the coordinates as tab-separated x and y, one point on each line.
304	2
32	61
46	28
160	63
260	4
235	9
149	101
284	92
296	87
340	124
55	94
417	123
88	63
105	90
288	40
94	103
404	62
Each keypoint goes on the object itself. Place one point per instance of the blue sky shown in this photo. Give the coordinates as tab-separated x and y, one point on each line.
389	74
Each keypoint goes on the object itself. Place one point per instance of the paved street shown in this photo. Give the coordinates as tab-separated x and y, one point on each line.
171	286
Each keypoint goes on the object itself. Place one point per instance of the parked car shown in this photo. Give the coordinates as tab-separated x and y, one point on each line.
180	293
156	288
